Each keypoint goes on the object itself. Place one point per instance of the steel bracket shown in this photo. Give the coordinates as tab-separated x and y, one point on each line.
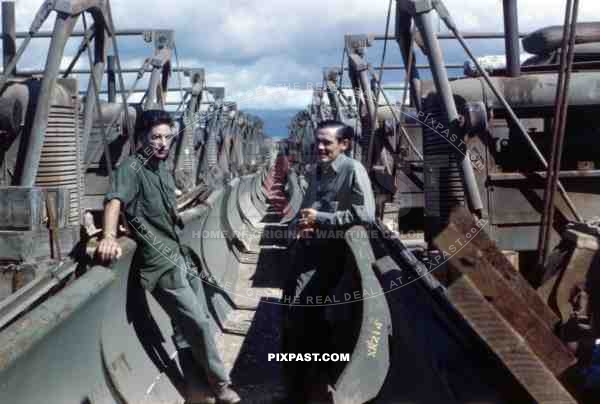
331	73
414	7
217	92
358	42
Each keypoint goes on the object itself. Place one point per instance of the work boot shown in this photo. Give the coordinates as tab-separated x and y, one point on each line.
197	390
225	394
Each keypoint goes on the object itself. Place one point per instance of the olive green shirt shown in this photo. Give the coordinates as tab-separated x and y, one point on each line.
147	193
341	193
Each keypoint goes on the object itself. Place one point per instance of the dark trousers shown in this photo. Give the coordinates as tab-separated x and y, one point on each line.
185	303
317	268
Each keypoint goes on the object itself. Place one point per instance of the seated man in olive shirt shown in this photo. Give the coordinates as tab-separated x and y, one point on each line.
339	196
144	189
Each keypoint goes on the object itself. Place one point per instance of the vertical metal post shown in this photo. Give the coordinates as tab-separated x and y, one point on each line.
442	84
511	39
330	76
436	63
112	79
560	121
363	76
152	96
62	30
403	37
90	106
9	36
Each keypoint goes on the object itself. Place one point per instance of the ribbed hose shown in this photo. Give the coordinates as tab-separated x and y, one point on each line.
443	180
188	149
60	158
364	140
212	149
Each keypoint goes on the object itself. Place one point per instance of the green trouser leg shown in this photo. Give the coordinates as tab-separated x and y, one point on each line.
185	303
317	270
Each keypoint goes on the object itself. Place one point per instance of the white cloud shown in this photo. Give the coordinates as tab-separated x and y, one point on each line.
278	46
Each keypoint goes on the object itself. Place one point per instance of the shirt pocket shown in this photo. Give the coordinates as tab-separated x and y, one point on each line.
151	208
173	279
328	206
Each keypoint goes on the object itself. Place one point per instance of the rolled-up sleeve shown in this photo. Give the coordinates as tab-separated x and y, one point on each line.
362	203
124	184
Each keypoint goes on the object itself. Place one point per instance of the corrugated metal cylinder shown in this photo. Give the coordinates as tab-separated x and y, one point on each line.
442	170
60	161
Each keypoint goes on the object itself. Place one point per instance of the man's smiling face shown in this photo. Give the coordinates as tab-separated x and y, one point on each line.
328	145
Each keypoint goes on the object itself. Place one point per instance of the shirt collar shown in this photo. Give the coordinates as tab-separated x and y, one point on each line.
144	154
337	162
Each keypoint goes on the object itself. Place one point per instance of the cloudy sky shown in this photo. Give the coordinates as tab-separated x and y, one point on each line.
270	53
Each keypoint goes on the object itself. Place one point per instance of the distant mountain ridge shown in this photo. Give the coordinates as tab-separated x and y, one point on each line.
276	120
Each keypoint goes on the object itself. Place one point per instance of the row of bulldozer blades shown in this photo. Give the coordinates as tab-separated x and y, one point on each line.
474	330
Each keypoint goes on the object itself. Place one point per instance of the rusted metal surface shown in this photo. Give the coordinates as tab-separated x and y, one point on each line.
508	345
516	176
24	208
435	359
52	209
463	224
31	245
571	268
504	309
559	126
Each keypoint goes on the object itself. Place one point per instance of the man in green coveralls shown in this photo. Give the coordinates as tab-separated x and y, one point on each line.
144	190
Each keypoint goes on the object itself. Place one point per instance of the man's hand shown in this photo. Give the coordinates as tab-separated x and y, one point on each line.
308	217
109	249
307	222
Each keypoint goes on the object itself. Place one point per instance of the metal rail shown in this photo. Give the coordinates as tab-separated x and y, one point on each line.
138	90
48	34
559	127
88	71
424	67
470	35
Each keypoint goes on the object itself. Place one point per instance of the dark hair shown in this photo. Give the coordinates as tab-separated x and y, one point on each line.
154	117
342	131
